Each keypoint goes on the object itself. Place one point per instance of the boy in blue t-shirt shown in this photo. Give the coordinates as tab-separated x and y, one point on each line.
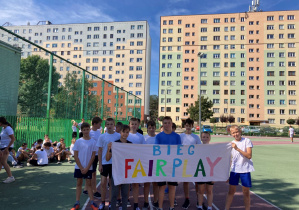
167	137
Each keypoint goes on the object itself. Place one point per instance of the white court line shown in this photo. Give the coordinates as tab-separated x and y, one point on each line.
86	203
266	201
214	206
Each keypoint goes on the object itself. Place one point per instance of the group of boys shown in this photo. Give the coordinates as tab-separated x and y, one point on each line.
95	148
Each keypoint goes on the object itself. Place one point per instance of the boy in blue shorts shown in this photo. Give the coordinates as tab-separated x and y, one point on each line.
84	153
167	137
241	167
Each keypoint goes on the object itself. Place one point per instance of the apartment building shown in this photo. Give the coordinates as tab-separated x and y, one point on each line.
248	67
118	52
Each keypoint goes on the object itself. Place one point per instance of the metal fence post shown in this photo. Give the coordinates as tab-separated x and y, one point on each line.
49	94
140	109
116	104
134	106
127	106
82	94
102	102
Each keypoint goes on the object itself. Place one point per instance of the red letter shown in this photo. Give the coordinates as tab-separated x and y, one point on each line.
127	167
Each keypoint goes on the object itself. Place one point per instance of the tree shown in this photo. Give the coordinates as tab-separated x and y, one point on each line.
33	86
223	119
153	107
297	121
213	120
231	119
206	112
161	118
291	121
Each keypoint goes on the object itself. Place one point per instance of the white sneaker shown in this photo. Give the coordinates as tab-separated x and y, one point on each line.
9	180
28	164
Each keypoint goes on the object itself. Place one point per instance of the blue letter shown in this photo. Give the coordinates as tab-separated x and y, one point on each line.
179	150
175	165
191	152
156	150
168	150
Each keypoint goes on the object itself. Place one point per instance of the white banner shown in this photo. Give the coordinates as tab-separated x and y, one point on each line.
139	163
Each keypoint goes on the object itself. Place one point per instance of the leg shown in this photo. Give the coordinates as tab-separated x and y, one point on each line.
201	191
146	190
155	191
3	161
186	189
78	188
230	196
135	192
114	190
171	194
89	190
246	195
161	195
103	187
94	182
124	195
210	195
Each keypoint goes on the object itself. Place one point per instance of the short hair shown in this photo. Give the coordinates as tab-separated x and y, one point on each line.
38	147
138	120
110	120
173	126
151	123
96	120
39	140
24	144
125	128
206	132
61	139
119	124
167	118
46	135
85	125
47	144
235	127
189	121
133	119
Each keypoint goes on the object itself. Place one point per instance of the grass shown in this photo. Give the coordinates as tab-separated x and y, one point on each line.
53	187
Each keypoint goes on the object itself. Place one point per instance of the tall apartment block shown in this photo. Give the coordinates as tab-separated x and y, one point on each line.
249	66
119	52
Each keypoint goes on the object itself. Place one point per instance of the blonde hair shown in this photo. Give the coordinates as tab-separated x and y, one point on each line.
233	127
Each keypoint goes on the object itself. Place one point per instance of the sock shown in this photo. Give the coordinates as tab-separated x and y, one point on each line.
135	205
200	207
91	202
77	202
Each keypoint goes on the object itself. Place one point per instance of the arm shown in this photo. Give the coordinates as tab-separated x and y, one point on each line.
34	157
78	161
247	154
109	154
100	159
12	137
85	170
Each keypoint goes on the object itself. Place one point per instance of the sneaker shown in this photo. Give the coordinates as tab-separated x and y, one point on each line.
145	206
156	205
186	204
94	206
137	208
102	206
118	203
175	202
109	207
85	192
70	161
58	162
76	206
97	195
171	208
9	180
18	166
128	203
28	164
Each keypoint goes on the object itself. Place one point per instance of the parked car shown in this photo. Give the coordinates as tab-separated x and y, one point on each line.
207	128
252	129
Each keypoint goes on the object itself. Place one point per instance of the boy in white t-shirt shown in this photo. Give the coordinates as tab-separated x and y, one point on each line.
84	153
135	138
22	153
241	166
150	139
105	167
291	133
188	138
50	151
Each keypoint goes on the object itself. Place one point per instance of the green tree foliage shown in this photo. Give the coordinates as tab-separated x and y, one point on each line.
297	121
33	86
291	121
206	112
213	120
161	118
231	119
153	107
223	119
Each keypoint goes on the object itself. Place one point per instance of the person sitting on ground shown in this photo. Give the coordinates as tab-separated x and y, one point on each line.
72	146
47	139
39	158
23	153
50	151
62	153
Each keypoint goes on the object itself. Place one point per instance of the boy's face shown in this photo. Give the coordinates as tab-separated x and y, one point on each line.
46	137
151	130
86	131
236	133
124	134
110	126
167	125
205	138
188	127
134	125
47	147
24	147
97	125
118	129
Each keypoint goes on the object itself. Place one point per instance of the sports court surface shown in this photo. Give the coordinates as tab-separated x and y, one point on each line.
275	182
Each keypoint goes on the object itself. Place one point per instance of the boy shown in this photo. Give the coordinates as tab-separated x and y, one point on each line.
50	151
291	133
135	138
84	153
123	187
201	186
241	166
105	167
79	126
23	153
150	139
139	130
118	127
94	134
167	137
188	138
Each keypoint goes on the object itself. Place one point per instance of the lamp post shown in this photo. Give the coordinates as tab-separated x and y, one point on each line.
199	55
165	99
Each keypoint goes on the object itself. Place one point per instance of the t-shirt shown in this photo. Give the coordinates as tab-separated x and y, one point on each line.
79	125
136	138
74	128
149	139
4	137
85	149
140	131
20	151
49	141
168	139
103	142
188	139
119	141
42	157
96	136
241	164
291	130
72	149
49	151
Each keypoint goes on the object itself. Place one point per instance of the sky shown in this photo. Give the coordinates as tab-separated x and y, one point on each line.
19	12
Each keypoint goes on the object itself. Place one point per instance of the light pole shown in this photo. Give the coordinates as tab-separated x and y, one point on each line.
200	55
170	86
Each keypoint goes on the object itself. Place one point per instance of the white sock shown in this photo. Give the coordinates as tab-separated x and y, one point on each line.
200	207
210	208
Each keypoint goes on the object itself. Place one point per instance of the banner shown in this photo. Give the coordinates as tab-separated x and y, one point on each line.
139	163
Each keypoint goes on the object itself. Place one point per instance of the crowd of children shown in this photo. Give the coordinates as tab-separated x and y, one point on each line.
93	150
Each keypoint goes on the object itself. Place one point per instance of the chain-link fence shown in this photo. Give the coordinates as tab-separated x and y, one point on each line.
52	91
